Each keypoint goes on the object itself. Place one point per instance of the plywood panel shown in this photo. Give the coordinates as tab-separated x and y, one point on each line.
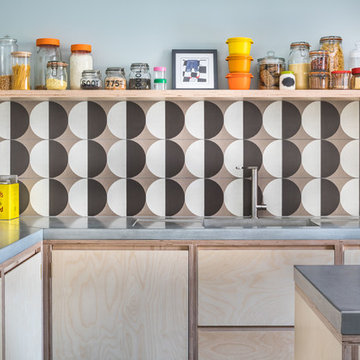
251	287
120	304
246	345
352	257
23	311
313	340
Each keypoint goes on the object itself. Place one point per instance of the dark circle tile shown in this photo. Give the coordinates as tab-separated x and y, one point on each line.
175	197
291	120
291	197
96	158
330	197
135	120
252	119
330	158
252	156
19	120
136	197
214	158
175	158
330	120
24	197
58	120
97	197
213	119
19	158
58	158
135	158
58	197
96	120
174	120
291	158
214	197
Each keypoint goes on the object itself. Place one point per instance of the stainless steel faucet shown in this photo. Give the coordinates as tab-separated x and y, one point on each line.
254	194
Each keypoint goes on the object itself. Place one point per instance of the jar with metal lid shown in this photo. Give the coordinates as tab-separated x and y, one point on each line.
332	44
91	80
47	49
56	75
319	60
319	80
269	69
139	78
341	80
80	60
20	79
115	79
299	63
7	46
355	79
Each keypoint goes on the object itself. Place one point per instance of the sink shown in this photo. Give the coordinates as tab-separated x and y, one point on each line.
167	223
262	222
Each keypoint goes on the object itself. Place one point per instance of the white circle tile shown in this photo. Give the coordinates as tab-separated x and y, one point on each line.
116	120
39	197
116	158
155	119
272	119
349	119
195	158
272	158
39	120
39	158
78	197
273	197
234	119
195	197
78	158
234	197
311	197
155	158
155	197
78	120
311	119
311	158
234	158
349	158
117	197
5	119
194	120
349	197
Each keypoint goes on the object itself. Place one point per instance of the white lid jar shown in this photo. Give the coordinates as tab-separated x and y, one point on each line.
80	60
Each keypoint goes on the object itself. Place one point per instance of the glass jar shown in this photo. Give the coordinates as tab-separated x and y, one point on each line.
46	50
56	75
269	70
7	46
80	60
20	79
287	80
91	80
332	44
139	78
160	84
319	60
341	80
299	63
355	56
115	79
160	72
319	80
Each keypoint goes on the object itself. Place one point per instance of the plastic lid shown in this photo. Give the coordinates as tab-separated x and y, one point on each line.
356	70
341	72
47	41
81	47
300	43
319	73
330	38
287	72
160	81
238	39
7	40
24	54
238	75
115	68
271	59
239	57
159	68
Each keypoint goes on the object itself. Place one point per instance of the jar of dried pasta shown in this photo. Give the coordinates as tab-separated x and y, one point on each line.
332	44
20	79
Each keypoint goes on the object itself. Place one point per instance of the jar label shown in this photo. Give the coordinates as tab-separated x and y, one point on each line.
115	83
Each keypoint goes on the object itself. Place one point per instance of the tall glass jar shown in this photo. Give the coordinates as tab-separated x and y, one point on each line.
299	63
20	78
332	44
355	56
46	50
139	78
7	46
56	75
80	60
269	70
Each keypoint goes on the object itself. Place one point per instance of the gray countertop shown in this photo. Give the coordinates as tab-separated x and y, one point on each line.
335	291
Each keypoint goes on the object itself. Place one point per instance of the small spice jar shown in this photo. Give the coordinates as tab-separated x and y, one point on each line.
20	79
332	44
115	79
299	63
91	80
56	75
319	80
139	78
341	80
287	80
269	69
319	60
160	84
355	79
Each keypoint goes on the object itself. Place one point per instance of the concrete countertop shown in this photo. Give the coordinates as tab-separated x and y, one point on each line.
335	291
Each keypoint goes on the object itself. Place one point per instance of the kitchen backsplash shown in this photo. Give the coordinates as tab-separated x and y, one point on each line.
182	158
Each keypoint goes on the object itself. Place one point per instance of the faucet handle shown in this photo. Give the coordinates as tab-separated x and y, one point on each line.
250	167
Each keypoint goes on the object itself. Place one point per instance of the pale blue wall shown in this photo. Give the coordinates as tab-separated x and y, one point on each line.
122	32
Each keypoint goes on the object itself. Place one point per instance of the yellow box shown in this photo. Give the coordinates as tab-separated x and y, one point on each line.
9	197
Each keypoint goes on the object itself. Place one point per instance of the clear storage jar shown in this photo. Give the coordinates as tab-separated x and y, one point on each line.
160	84
319	80
160	72
139	78
115	79
20	79
7	46
341	80
355	56
355	79
269	70
299	63
80	60
91	80
56	75
332	44
319	60
47	49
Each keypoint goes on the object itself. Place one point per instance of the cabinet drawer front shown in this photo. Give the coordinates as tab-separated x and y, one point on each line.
246	345
352	257
251	287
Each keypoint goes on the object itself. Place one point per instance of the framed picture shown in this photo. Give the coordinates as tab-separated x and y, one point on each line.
194	69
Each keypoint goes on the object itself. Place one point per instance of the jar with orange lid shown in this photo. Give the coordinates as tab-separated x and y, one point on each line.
80	60
47	49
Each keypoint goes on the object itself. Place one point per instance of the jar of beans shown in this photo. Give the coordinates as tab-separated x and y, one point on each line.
115	79
319	60
319	80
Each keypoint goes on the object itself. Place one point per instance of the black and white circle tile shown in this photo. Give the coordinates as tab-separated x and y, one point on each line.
182	159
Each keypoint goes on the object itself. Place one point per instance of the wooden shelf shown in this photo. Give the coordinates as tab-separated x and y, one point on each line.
193	95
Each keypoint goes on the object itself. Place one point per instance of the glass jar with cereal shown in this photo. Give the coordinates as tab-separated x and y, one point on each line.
269	70
332	44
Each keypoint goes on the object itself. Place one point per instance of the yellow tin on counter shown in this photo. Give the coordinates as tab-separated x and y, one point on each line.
9	197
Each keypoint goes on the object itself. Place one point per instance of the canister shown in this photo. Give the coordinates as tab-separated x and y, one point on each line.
9	197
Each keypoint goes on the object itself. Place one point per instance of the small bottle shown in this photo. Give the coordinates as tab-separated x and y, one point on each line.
287	80
160	84
91	80
80	60
56	75
20	79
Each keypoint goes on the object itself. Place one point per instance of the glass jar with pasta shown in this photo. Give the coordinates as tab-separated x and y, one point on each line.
20	79
332	44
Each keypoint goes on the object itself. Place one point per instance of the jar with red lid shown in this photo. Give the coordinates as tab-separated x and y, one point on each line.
340	80
355	79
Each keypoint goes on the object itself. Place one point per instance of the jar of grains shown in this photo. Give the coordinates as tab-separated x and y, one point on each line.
80	60
91	80
139	78
332	44
56	75
355	79
299	63
269	69
7	46
115	79
20	79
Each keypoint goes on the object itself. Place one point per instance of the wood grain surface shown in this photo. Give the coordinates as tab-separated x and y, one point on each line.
352	257
120	305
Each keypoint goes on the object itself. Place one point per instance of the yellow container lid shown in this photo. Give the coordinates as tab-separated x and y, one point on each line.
239	39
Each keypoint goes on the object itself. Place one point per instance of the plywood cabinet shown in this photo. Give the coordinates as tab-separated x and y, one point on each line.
120	304
251	287
352	256
23	311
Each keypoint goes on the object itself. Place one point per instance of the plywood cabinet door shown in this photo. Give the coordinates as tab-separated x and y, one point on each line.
23	311
251	287
120	304
352	257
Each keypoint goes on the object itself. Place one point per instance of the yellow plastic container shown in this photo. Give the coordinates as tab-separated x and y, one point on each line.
9	197
239	63
239	45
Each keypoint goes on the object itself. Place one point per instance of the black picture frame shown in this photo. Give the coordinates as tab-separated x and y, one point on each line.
212	52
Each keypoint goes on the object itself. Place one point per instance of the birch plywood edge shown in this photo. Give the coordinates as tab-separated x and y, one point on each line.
157	95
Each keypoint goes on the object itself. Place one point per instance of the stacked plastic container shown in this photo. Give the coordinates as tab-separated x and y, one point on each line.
239	61
160	78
